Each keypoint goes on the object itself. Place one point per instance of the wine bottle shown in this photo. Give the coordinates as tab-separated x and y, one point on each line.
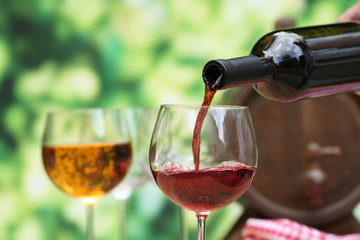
295	63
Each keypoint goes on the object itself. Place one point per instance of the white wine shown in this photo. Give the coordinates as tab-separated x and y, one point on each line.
87	171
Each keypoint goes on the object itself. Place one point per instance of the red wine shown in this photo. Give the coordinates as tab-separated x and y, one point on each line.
205	190
209	95
292	64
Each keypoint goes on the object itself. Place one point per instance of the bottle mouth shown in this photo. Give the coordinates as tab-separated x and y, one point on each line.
212	74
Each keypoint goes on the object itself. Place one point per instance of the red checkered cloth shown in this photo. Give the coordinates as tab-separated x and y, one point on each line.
285	229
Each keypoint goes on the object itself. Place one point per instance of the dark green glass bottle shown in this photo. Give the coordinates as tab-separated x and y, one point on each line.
291	64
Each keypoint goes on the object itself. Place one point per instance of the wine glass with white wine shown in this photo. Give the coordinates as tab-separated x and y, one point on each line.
86	153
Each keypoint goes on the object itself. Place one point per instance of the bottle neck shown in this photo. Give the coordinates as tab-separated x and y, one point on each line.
236	72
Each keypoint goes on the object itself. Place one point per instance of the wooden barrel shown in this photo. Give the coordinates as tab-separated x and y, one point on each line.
309	157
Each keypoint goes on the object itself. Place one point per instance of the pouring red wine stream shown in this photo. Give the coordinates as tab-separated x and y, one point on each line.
209	95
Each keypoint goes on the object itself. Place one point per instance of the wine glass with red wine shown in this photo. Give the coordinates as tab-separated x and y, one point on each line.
86	153
203	158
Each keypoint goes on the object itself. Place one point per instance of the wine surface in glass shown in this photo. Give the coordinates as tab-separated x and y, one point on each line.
87	171
205	190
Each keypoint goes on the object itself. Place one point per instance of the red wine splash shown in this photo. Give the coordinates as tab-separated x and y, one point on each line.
209	95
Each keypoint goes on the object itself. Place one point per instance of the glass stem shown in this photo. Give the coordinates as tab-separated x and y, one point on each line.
122	220
89	221
201	227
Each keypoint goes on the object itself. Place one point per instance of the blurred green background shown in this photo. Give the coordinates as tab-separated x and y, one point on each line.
114	53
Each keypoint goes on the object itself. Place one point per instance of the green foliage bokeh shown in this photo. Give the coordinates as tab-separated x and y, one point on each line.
111	53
